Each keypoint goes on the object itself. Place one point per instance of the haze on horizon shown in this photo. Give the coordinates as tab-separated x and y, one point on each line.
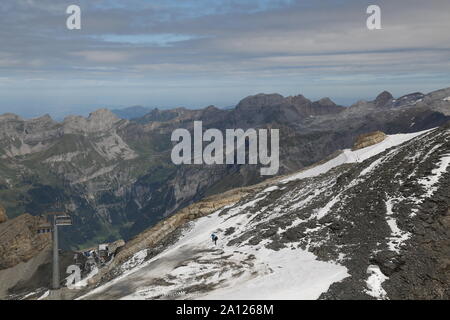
194	53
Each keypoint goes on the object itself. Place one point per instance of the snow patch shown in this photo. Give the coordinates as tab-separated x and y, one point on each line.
349	156
324	211
375	281
45	295
429	183
228	271
398	237
270	189
372	166
297	274
137	259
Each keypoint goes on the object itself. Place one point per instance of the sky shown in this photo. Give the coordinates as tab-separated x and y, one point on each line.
195	53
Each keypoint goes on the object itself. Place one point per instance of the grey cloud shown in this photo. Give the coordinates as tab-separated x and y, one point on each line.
232	41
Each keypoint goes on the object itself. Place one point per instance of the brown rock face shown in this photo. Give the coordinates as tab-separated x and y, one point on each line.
19	240
368	139
3	216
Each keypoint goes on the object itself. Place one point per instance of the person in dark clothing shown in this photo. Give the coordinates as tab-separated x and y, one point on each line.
214	238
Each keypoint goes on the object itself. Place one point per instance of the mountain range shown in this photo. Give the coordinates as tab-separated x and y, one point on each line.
370	223
115	177
131	112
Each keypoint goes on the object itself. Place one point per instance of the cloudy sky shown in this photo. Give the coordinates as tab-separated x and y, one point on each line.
193	53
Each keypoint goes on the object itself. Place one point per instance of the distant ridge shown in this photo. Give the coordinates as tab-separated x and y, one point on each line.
132	112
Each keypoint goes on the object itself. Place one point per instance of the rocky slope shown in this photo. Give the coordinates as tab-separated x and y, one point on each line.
372	223
116	178
25	255
20	241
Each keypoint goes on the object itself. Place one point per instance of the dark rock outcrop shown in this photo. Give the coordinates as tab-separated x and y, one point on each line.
383	98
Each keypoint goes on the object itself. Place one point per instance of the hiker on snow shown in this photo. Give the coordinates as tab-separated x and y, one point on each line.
214	238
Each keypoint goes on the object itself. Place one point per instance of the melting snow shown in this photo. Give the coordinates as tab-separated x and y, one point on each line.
349	156
297	274
398	237
28	295
231	272
45	295
428	183
375	281
270	189
135	260
372	166
324	211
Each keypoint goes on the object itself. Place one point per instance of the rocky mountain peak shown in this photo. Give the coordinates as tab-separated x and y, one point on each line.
359	104
40	123
211	108
103	115
383	98
100	120
46	117
260	101
10	116
440	94
408	100
326	102
298	100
